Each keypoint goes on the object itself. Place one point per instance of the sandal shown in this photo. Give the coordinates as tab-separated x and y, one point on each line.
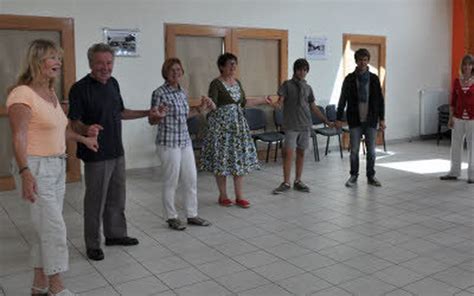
243	203
225	202
35	291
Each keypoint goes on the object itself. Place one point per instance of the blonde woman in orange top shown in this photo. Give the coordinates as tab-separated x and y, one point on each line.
461	120
39	130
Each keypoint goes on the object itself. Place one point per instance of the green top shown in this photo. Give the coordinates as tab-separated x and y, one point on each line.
219	94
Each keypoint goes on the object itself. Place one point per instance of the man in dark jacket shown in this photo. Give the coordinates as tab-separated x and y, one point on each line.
362	94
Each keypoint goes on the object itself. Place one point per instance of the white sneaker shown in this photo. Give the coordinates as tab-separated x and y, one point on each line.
64	292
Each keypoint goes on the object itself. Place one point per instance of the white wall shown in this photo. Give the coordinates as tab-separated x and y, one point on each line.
418	45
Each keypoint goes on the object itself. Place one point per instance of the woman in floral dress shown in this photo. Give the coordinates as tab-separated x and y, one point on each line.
228	146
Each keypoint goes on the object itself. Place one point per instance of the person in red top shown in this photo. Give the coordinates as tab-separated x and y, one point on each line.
461	120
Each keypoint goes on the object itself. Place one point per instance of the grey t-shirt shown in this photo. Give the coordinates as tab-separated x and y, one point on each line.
298	95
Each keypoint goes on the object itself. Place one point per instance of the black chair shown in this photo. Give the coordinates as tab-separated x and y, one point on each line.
329	132
443	119
316	121
194	128
256	121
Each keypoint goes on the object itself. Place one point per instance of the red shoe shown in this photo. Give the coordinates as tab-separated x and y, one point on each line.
243	203
225	202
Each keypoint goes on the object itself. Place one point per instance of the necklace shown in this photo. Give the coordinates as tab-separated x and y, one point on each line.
467	81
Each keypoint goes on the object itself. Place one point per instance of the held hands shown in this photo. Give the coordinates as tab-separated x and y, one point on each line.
269	101
93	130
28	186
207	104
90	139
91	143
338	124
157	113
331	124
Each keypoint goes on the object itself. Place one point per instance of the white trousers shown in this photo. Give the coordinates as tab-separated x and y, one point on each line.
49	245
462	129
178	166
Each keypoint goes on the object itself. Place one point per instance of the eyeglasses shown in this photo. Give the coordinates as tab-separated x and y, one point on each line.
54	57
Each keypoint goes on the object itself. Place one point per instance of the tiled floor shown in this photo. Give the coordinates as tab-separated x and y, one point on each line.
413	236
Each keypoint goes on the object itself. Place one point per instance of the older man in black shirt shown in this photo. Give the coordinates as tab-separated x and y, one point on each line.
96	104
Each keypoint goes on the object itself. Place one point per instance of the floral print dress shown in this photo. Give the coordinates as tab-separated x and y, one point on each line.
228	146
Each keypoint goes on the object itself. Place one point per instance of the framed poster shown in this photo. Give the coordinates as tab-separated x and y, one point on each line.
315	48
123	41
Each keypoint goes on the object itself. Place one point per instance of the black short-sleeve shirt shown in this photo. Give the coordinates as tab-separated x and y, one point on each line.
93	102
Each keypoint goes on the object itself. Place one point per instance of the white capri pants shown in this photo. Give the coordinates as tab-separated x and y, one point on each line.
462	128
49	244
178	166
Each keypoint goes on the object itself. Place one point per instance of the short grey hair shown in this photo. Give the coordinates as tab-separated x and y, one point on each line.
99	47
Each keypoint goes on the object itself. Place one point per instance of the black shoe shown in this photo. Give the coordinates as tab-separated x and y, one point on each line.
374	182
95	254
352	181
470	181
300	186
198	221
282	188
121	241
448	178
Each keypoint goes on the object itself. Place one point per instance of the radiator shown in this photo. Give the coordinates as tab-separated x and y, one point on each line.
430	100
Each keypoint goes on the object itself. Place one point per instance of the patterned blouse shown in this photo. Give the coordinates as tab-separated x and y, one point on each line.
173	129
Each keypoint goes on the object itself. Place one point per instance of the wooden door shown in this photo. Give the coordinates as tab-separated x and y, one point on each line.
20	31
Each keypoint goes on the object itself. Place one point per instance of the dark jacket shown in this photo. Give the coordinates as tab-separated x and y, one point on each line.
350	98
220	96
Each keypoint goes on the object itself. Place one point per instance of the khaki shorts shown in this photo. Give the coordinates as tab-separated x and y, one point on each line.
297	139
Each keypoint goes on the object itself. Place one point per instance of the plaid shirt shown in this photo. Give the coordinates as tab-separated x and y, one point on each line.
173	129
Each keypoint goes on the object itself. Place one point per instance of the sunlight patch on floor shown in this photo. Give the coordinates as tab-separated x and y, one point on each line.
425	166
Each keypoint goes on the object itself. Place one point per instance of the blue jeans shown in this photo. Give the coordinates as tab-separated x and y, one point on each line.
370	134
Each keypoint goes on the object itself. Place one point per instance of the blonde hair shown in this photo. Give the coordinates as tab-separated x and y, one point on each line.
467	59
31	68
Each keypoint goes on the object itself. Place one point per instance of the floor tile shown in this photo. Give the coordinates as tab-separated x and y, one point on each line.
182	277
303	284
430	287
241	281
367	286
278	270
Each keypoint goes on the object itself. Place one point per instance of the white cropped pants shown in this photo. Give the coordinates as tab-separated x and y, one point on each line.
178	167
